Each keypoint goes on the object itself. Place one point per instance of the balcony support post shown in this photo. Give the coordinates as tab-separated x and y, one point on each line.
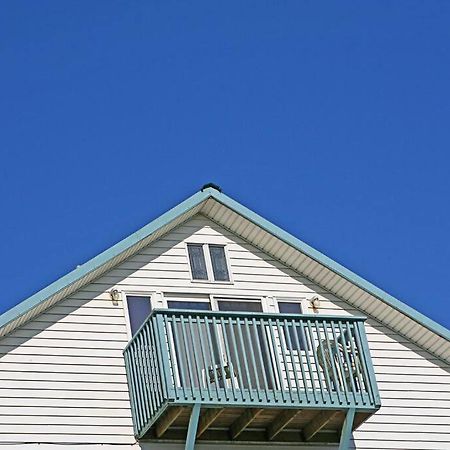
192	430
347	429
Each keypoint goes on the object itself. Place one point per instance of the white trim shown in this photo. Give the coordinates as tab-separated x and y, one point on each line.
127	315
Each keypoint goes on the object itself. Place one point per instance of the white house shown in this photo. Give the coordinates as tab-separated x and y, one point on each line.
211	327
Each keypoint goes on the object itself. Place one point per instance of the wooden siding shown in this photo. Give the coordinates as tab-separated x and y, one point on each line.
62	377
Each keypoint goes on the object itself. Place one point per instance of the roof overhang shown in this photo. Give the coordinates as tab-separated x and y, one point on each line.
274	241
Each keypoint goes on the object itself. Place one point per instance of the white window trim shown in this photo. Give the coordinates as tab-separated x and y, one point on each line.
208	263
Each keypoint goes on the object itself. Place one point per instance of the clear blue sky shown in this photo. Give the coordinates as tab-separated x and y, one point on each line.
329	118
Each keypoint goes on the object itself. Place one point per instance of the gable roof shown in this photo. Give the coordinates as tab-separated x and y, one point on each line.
228	213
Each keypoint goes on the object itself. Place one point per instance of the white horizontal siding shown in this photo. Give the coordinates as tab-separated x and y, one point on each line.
62	377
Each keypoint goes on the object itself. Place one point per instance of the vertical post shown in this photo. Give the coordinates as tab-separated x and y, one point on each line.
192	430
346	430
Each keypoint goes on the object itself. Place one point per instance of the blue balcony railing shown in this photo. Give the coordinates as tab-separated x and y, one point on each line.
226	359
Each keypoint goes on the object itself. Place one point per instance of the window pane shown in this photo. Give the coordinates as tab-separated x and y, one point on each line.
139	308
219	263
289	308
187	340
197	260
248	342
182	304
239	305
292	308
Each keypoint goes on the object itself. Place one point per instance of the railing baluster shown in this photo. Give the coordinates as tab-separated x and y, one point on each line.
316	359
308	361
252	356
180	370
229	358
300	359
292	354
347	360
222	369
257	339
277	359
336	384
147	376
154	376
129	363
141	378
355	358
342	379
284	358
213	359
244	358
325	369
188	355
203	351
197	374
136	377
232	332
264	327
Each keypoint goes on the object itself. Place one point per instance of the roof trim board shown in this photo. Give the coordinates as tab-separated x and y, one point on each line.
333	265
83	270
184	209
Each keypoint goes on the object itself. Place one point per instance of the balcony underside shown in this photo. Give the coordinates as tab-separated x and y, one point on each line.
253	424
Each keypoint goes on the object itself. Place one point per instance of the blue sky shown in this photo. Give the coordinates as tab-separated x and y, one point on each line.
329	118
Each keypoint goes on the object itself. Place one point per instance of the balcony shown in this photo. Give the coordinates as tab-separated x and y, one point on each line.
224	376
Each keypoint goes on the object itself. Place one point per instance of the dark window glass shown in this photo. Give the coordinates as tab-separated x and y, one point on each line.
248	343
293	308
139	308
239	305
181	304
197	260
219	263
189	339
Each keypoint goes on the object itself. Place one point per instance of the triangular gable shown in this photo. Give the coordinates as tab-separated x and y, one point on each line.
276	242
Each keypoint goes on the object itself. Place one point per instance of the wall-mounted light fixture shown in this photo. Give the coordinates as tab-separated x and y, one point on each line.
315	302
115	295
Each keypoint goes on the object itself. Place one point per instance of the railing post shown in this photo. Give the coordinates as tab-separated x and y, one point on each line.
347	430
369	364
192	430
163	351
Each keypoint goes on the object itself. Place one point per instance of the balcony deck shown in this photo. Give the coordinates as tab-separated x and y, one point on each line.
227	376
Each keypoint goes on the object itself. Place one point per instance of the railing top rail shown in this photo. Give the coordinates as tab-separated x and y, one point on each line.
251	315
262	315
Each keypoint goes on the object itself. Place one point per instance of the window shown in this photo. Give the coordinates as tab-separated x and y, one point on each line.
296	339
219	263
139	308
208	262
197	261
183	304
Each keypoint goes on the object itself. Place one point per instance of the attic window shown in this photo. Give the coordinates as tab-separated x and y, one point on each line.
208	262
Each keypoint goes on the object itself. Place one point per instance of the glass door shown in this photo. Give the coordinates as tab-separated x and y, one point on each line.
247	350
191	357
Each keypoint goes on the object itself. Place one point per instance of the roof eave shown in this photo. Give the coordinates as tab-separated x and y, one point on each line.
332	265
85	269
